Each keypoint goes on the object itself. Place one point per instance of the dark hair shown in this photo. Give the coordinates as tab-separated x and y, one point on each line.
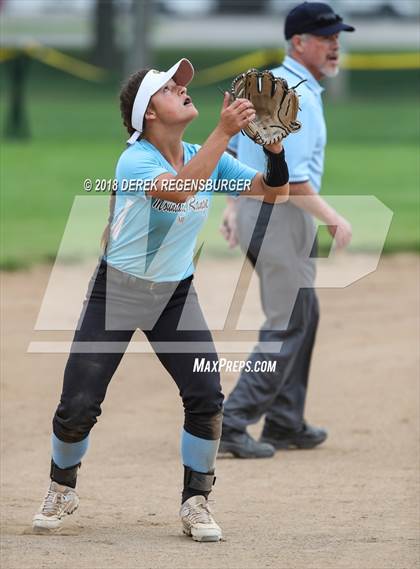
127	95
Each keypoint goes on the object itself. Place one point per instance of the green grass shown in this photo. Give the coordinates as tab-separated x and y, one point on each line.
76	134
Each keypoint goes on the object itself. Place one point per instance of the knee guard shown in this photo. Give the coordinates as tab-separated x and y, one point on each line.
74	419
204	425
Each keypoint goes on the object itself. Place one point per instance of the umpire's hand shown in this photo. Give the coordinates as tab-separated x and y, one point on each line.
228	228
341	231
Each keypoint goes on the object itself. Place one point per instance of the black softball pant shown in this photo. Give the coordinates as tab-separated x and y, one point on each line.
116	304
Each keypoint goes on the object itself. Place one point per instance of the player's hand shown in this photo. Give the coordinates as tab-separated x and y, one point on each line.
228	227
341	230
236	115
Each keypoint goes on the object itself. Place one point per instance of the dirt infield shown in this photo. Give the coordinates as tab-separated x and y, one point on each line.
350	504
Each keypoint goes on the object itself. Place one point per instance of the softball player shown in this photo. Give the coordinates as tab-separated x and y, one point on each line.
144	280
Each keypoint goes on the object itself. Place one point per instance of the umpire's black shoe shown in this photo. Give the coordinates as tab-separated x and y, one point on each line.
242	445
308	437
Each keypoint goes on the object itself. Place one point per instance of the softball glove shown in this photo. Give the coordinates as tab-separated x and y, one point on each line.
276	105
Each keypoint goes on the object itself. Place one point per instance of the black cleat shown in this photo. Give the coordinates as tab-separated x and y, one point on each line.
308	437
242	445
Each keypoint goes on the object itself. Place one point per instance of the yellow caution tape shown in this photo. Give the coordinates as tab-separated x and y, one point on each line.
236	66
6	53
71	65
56	59
358	61
377	61
221	72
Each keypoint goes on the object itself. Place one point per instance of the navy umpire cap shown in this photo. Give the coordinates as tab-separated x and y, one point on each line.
314	18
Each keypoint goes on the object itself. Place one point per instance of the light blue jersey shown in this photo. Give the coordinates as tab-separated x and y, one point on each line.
305	149
154	239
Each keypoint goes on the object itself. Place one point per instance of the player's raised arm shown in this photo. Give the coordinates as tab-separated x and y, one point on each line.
233	118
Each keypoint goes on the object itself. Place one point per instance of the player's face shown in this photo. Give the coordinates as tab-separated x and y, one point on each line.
173	105
321	55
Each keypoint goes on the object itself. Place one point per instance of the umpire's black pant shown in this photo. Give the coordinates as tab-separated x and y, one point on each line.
170	316
280	242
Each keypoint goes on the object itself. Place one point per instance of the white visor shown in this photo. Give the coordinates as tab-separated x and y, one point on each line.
182	73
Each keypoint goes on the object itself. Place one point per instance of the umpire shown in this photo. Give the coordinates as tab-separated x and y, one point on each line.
280	241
